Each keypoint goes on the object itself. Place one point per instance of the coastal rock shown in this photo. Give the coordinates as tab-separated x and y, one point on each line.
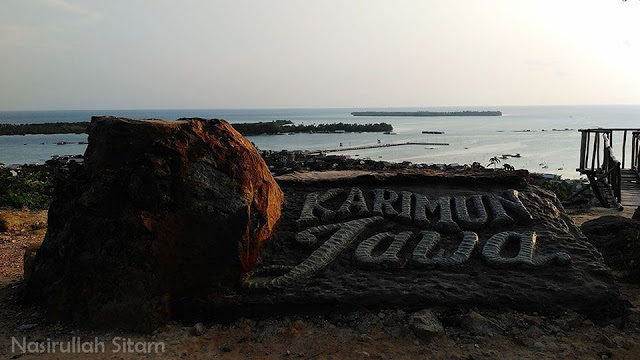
198	329
161	210
612	236
425	324
476	239
479	325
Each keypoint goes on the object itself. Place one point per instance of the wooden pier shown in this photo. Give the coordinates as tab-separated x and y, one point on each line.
604	169
364	147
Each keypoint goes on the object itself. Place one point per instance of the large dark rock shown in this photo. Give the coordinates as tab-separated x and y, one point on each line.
162	210
617	239
416	239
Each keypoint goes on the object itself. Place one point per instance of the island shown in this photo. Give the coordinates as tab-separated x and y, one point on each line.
45	128
427	113
276	127
288	127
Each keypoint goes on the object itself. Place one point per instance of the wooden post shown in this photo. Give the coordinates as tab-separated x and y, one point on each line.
596	190
624	145
586	156
606	157
583	142
633	151
598	154
618	186
595	150
610	144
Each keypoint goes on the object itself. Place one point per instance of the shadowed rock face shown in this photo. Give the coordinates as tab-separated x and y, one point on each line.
162	210
614	236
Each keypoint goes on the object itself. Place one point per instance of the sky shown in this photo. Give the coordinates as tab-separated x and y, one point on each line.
209	54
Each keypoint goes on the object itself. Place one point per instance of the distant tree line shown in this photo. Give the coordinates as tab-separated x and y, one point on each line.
286	126
46	128
269	128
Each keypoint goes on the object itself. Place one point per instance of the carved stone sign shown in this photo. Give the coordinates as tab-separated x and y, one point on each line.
390	242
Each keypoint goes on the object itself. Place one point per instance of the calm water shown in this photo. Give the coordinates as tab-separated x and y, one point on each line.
470	138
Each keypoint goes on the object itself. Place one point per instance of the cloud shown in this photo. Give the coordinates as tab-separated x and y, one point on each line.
546	66
31	26
87	16
540	64
12	36
15	34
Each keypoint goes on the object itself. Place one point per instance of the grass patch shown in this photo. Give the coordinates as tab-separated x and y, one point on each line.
559	188
30	187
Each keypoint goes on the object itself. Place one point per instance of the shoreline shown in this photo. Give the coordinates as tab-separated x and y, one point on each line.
22	176
284	161
495	135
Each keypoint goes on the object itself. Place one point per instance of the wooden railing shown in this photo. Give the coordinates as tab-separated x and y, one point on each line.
592	148
599	162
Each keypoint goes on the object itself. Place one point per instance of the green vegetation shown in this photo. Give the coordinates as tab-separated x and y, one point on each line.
46	128
269	128
494	161
560	189
286	126
31	187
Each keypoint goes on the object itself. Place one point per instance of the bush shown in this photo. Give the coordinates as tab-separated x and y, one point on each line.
30	188
560	189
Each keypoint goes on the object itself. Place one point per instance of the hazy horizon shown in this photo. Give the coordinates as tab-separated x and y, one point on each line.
286	54
469	107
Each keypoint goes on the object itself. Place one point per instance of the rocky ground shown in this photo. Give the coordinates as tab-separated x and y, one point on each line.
437	333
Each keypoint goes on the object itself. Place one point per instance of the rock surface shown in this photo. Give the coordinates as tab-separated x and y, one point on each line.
477	324
425	324
612	236
328	251
162	210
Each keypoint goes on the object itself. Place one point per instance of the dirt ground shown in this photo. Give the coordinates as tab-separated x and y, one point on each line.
579	216
377	334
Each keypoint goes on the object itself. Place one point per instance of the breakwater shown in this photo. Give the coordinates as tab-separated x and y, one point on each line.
385	146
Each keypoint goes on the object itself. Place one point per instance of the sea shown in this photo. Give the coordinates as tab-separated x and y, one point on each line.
546	138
